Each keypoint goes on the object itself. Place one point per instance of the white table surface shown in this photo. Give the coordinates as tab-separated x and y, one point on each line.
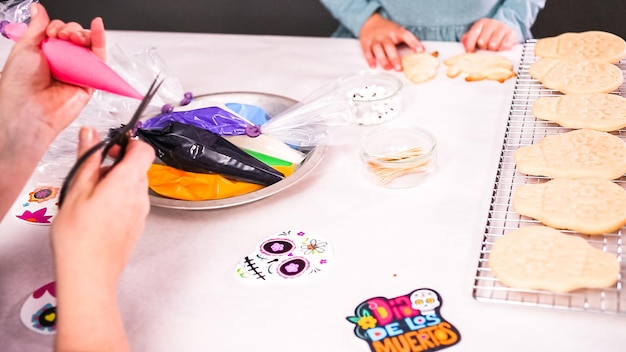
179	291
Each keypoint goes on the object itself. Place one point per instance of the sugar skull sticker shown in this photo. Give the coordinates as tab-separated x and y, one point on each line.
38	205
286	255
406	323
425	301
39	310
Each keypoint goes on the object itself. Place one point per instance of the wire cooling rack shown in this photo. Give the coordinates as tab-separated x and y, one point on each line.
524	129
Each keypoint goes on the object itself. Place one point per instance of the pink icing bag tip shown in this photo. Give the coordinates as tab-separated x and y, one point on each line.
78	65
74	64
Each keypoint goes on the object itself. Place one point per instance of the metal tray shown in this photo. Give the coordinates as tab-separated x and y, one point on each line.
524	129
272	104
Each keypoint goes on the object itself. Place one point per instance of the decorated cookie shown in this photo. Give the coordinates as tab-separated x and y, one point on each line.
410	322
286	255
38	205
39	312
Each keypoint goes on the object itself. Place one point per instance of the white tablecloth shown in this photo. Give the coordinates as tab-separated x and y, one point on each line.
180	292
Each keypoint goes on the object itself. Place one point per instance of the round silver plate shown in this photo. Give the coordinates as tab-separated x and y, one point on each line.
272	104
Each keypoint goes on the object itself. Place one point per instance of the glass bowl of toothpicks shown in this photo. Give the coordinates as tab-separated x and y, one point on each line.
398	156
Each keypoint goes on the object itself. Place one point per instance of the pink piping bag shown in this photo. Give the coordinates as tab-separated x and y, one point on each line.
75	64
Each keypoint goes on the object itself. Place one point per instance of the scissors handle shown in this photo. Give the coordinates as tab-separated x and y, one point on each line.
119	136
77	165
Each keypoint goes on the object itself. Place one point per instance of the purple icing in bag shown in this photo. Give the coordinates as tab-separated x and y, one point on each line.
212	118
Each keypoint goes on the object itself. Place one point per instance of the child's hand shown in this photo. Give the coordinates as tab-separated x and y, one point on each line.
489	34
379	38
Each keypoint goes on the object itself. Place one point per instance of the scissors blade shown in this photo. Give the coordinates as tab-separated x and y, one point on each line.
122	135
109	142
154	87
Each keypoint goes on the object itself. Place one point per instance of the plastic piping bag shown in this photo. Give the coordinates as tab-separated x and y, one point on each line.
307	123
72	63
302	126
177	184
212	118
194	149
269	146
233	127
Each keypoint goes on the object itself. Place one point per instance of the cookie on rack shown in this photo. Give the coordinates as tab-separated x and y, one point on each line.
420	67
591	206
601	112
595	46
576	154
570	76
480	66
542	258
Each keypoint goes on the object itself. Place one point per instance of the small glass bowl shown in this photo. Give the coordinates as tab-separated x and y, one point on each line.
376	96
398	156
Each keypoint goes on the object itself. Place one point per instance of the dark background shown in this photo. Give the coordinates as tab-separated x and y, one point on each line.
298	17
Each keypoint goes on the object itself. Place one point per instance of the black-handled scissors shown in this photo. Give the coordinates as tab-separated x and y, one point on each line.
119	136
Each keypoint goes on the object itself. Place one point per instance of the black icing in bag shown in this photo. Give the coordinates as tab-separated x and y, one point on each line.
194	149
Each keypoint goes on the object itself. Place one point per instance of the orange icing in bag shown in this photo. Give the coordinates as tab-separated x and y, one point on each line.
177	184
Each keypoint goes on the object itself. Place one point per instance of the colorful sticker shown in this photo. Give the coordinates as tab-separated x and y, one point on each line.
39	312
287	255
406	323
39	205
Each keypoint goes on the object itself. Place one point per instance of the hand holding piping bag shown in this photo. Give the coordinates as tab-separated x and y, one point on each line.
75	64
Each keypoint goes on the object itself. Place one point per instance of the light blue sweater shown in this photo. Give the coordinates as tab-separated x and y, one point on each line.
439	20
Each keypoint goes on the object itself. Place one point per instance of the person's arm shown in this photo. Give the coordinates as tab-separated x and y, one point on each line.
92	237
352	14
510	25
34	107
519	15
